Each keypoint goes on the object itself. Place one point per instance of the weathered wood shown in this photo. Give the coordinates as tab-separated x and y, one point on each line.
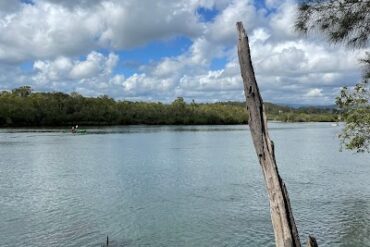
285	230
311	242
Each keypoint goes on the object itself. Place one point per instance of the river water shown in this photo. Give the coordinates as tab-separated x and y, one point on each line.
176	186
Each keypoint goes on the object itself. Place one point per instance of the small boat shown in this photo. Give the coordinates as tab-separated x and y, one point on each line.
79	131
76	130
334	124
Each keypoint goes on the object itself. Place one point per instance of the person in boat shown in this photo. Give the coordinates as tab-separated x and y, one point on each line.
73	130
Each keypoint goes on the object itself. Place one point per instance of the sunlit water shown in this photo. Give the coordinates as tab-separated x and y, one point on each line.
176	186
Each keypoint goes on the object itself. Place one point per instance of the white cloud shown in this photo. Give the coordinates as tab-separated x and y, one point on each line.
48	29
74	3
94	65
222	30
128	24
54	35
286	67
272	3
93	75
259	35
62	68
314	92
45	31
282	22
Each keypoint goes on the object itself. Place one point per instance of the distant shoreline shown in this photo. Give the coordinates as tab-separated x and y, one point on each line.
68	128
24	108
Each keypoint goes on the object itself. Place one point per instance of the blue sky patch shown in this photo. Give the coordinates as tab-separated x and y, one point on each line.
27	67
218	63
131	59
27	1
207	15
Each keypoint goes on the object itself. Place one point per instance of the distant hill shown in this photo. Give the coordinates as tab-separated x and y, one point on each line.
310	106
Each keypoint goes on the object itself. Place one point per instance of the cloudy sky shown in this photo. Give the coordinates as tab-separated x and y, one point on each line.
159	50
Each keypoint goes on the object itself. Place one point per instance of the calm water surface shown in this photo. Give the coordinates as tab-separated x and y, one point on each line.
176	186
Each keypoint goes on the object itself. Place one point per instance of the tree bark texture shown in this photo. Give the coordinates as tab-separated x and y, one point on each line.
285	230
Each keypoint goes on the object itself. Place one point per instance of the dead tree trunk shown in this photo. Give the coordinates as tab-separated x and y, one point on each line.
285	230
311	242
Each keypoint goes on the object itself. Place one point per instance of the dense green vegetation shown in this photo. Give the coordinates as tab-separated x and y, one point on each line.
22	107
355	107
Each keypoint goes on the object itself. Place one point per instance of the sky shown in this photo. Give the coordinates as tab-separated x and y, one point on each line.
149	50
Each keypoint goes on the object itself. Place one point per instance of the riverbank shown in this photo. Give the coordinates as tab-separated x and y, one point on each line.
38	109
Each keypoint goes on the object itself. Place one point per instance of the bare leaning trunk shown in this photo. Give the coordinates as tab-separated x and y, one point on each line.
285	230
311	242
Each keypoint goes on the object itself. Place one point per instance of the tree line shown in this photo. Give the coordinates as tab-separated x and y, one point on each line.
22	107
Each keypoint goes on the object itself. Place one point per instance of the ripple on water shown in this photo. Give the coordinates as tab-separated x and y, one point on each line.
180	186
